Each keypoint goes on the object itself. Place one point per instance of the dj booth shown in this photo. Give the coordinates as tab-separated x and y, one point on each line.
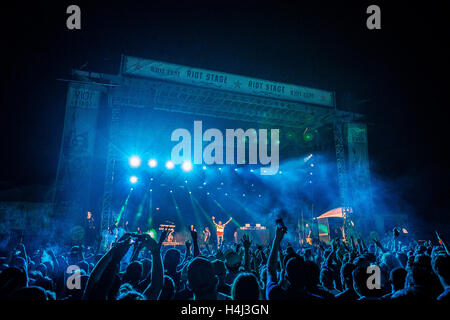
258	234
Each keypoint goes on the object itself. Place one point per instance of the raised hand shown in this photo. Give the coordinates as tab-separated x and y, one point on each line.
246	242
149	243
163	237
280	233
194	235
122	245
395	232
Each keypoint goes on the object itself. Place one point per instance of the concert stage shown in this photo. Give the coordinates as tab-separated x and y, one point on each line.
117	153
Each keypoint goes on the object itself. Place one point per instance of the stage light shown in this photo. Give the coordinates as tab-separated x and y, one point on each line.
170	165
220	169
190	192
308	135
207	193
235	169
151	190
186	166
152	163
312	164
133	179
134	161
152	233
204	167
281	172
204	183
251	170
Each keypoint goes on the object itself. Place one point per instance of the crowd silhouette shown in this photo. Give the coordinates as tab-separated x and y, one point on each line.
138	267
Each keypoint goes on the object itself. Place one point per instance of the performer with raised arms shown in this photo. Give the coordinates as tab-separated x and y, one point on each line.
220	229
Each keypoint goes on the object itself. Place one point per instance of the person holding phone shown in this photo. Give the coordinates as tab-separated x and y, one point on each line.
220	228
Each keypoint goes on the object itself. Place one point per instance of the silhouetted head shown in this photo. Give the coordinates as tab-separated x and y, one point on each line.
441	266
133	273
172	259
29	294
245	287
346	275
12	279
397	278
202	280
296	272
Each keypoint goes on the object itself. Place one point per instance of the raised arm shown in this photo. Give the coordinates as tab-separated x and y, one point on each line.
273	256
157	274
98	284
214	221
228	221
444	243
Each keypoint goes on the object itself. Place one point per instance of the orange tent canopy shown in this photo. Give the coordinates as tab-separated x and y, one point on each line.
334	213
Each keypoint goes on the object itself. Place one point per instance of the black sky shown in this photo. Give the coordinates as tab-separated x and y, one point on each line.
396	76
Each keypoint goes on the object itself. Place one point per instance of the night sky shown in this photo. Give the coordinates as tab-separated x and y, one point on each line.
395	76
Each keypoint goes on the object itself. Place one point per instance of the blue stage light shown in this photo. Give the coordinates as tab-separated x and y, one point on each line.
133	179
186	166
170	165
152	163
134	161
204	167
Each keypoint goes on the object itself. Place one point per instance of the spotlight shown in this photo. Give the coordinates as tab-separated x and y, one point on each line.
170	191
281	172
204	167
207	193
133	179
186	166
235	169
152	233
251	170
170	165
220	169
134	161
308	135
152	163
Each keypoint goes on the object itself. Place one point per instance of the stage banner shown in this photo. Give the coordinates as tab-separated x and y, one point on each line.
77	150
224	81
359	171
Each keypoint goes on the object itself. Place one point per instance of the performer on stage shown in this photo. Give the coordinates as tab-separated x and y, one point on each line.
206	235
220	229
90	229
